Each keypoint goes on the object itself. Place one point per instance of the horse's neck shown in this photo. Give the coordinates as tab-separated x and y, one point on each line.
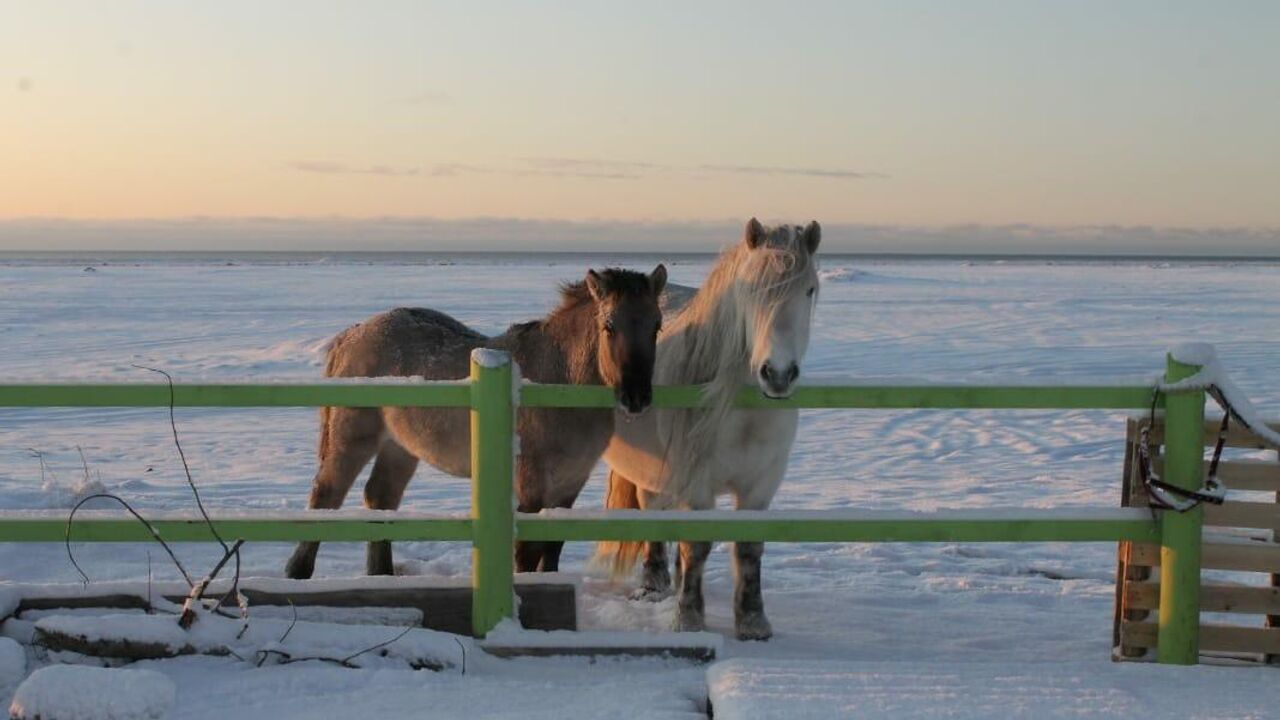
706	342
572	337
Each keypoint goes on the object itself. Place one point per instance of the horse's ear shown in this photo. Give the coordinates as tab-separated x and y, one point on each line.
595	285
812	236
753	236
658	279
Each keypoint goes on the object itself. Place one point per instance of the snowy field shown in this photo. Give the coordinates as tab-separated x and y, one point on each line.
890	631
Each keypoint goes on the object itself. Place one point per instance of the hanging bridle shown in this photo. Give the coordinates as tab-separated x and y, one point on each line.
1166	496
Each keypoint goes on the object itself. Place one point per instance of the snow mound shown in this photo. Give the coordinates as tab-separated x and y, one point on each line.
9	599
863	277
1213	375
13	665
80	692
842	275
264	640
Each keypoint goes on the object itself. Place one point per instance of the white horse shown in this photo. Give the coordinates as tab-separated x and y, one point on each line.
748	323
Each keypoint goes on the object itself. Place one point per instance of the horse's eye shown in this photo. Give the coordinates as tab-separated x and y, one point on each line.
608	326
812	290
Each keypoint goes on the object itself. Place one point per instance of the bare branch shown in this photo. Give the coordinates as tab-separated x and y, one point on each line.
154	533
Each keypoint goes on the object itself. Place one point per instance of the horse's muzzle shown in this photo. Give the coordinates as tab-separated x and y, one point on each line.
778	384
633	403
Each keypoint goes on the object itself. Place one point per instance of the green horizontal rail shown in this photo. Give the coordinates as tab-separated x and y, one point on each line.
408	394
371	394
250	530
1109	526
1092	397
818	529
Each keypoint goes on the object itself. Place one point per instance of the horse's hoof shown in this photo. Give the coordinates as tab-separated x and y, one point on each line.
754	627
650	594
657	581
689	622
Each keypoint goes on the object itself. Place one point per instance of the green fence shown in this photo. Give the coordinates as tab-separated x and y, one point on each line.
493	394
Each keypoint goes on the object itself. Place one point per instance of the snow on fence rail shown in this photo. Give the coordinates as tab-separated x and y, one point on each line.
492	394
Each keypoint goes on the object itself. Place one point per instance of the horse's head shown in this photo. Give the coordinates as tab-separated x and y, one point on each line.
779	287
627	322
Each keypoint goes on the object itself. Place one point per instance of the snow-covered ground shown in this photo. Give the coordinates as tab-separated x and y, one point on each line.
886	619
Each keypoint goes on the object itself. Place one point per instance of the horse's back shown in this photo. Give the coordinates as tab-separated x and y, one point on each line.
403	342
675	297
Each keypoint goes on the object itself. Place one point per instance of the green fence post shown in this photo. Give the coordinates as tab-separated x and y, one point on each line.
1179	636
492	474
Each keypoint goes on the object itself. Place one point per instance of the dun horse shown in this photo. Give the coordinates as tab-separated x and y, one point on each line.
603	332
748	323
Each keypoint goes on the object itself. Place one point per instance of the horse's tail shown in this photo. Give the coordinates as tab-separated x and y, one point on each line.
621	494
326	412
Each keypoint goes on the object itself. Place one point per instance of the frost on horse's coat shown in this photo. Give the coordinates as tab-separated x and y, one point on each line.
603	332
749	323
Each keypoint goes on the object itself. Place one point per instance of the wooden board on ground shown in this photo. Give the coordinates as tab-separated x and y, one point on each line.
697	647
543	605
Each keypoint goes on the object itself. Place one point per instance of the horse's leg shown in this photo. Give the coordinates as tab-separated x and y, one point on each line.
748	601
677	570
568	495
351	439
655	578
690	605
392	471
529	499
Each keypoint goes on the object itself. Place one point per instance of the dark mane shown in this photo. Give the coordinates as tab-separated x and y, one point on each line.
617	281
575	295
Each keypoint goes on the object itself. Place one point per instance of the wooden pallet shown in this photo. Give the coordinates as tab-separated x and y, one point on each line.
1241	535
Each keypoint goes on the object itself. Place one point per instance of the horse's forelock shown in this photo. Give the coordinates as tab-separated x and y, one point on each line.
780	266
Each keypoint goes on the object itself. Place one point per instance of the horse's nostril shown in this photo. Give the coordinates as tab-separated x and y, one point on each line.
793	372
766	372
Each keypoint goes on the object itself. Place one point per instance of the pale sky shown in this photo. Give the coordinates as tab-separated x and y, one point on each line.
1140	116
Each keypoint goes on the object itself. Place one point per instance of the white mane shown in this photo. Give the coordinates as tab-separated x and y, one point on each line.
707	342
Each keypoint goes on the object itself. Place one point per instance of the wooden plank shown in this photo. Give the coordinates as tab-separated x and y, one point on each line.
1140	634
1242	514
543	606
702	654
1213	598
1249	474
697	646
1122	546
1237	435
1252	557
1132	494
1213	638
1273	621
1245	474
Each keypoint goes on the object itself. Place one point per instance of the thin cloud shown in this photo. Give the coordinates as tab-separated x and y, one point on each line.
455	169
549	170
325	167
801	171
632	166
585	168
563	163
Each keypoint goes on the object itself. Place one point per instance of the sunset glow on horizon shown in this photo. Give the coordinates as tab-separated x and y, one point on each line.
916	114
